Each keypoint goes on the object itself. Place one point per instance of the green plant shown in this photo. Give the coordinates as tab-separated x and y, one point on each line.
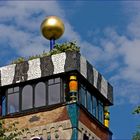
19	60
137	110
58	48
34	57
68	46
136	136
10	131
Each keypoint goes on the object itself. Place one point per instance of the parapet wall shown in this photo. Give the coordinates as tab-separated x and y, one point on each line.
55	64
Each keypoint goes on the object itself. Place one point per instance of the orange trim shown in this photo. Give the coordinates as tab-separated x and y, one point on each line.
73	86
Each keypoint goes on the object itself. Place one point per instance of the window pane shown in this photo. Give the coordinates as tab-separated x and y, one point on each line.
83	96
13	103
3	105
10	90
50	81
16	89
54	94
101	114
40	94
57	80
89	102
27	97
95	107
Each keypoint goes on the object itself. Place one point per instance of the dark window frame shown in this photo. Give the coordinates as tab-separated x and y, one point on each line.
97	109
13	92
34	97
32	105
1	104
81	94
52	84
101	110
89	105
33	84
96	114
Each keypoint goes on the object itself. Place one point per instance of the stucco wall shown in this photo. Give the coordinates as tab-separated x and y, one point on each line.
92	128
53	123
82	129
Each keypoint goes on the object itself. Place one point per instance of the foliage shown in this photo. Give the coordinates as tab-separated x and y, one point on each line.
12	132
58	48
34	57
136	136
68	46
137	110
19	60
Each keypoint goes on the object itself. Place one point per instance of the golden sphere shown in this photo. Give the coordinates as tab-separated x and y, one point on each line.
52	27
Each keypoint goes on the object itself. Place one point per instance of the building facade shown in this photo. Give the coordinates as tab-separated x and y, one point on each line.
60	96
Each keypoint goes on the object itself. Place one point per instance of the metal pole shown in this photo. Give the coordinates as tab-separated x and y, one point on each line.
52	43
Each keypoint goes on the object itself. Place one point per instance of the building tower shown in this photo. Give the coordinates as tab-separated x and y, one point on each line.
59	96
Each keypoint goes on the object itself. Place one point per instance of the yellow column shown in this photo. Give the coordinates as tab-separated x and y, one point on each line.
106	117
73	87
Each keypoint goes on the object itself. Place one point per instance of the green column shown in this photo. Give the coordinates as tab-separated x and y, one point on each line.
73	112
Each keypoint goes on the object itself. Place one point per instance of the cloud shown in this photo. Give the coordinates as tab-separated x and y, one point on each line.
118	54
20	25
126	92
131	50
123	51
115	55
131	10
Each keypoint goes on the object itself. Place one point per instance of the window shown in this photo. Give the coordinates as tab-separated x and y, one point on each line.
13	100
40	94
85	137
27	97
37	94
89	102
101	112
83	96
95	107
3	105
54	89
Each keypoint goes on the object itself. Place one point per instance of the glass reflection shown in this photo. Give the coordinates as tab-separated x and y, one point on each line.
13	103
40	94
54	94
27	97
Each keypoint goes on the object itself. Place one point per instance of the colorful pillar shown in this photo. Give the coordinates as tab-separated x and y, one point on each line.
0	105
73	88
73	112
106	117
